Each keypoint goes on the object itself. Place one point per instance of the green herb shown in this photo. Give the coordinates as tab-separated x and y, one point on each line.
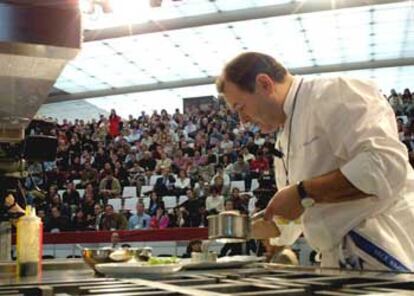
162	260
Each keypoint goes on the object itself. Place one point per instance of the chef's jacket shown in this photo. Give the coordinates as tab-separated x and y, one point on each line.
347	124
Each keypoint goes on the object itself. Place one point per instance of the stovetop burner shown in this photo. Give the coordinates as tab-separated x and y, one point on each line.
243	282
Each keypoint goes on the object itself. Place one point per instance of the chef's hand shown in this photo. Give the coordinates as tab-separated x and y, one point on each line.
285	203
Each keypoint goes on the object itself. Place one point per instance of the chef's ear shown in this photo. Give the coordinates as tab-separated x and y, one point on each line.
264	83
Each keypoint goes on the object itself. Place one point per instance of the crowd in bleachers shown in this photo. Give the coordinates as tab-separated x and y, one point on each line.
162	170
152	171
403	106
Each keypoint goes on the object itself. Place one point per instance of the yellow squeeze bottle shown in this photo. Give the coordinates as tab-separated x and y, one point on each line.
29	240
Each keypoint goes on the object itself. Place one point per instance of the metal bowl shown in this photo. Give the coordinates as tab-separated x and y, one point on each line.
108	255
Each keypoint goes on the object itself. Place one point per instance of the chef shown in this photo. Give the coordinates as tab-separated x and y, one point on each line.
343	171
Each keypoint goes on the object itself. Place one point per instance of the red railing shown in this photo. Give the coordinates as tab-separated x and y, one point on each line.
169	234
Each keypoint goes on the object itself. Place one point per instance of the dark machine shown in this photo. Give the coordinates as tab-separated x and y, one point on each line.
37	39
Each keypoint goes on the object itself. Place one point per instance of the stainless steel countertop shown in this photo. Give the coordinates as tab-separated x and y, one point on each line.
52	270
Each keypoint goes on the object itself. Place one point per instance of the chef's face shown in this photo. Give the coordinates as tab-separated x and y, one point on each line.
251	107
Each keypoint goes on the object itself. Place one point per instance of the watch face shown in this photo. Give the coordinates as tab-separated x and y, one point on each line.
307	202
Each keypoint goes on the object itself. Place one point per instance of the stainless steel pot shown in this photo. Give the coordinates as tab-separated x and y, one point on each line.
229	227
213	222
233	227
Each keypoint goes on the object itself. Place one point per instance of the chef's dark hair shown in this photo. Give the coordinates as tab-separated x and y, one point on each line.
244	68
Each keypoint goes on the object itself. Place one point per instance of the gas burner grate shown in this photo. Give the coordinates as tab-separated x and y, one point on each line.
243	282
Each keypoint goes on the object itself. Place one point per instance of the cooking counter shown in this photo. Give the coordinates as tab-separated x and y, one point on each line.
72	277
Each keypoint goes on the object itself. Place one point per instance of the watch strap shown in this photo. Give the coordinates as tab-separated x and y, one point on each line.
301	190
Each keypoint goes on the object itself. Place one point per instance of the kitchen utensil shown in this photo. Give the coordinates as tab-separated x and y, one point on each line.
233	227
134	269
109	255
223	262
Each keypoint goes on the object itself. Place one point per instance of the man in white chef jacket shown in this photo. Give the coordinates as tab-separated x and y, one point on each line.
343	171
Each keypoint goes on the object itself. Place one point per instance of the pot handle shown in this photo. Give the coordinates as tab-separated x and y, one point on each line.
258	215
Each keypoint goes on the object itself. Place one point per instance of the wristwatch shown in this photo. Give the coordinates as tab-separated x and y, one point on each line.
305	200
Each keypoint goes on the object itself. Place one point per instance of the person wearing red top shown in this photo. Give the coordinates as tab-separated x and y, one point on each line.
160	220
258	165
114	124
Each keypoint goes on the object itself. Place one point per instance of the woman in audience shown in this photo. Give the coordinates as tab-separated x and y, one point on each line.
182	183
155	203
215	201
114	127
160	220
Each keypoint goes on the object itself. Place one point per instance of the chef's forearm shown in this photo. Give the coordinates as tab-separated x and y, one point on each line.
332	187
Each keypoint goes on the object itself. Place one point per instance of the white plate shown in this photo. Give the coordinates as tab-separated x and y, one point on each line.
132	269
223	262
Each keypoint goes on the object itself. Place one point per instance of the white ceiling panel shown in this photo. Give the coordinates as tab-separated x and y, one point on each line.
321	38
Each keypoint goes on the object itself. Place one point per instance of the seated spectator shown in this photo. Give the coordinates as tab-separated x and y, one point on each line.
113	221
214	202
109	187
267	181
90	189
198	159
115	240
100	158
187	148
215	137
121	174
241	171
57	222
140	220
212	157
182	183
160	220
155	203
206	172
226	143
89	175
131	158
56	202
219	186
163	163
71	195
108	166
42	215
259	140
259	165
165	184
53	190
225	178
177	217
75	168
95	221
135	172
88	204
247	156
142	179
179	161
147	162
239	203
202	188
190	129
79	222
